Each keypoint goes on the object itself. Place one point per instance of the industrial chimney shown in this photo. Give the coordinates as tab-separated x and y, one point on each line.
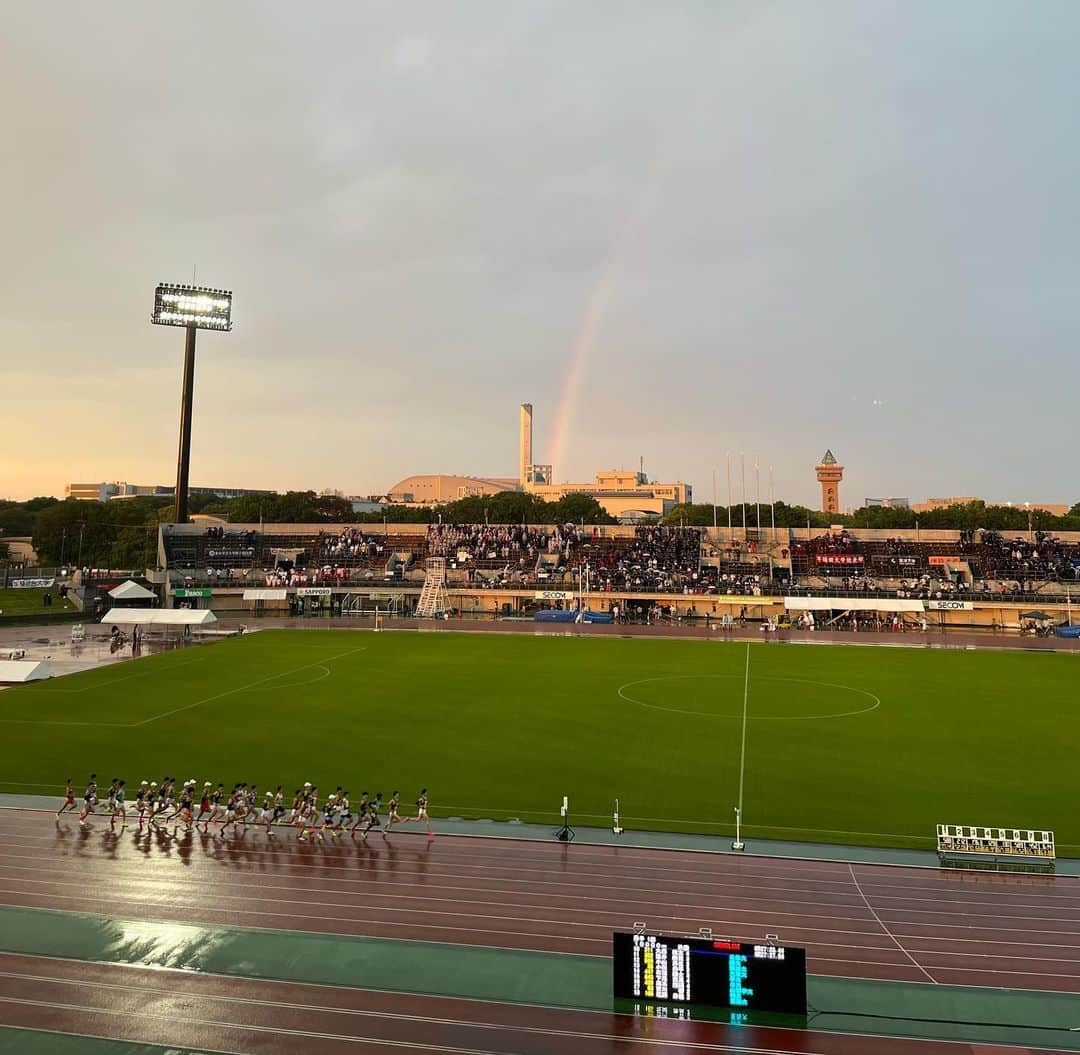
525	443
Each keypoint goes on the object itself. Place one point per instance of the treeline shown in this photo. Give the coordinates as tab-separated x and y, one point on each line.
967	516
123	534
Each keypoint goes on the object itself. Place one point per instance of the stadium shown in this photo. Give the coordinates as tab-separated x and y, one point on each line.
480	749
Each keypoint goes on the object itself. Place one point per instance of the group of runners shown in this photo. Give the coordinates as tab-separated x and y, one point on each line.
190	808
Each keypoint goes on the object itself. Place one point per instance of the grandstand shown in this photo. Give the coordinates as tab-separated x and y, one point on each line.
507	569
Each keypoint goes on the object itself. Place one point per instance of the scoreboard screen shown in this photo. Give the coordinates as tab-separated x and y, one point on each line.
735	975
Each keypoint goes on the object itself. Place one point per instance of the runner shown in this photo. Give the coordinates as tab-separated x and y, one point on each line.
392	812
346	815
421	811
217	808
151	804
140	801
278	810
361	814
205	805
69	798
89	801
297	803
373	814
231	808
119	809
110	795
185	808
330	813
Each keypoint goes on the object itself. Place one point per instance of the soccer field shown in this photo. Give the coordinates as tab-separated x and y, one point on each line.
844	744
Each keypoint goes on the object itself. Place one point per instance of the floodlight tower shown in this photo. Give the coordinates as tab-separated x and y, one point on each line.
194	308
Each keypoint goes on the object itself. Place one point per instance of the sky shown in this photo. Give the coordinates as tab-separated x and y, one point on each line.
680	230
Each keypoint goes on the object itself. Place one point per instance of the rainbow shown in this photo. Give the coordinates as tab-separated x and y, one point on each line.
595	313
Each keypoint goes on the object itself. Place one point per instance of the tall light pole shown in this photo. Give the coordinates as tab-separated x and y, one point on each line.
194	308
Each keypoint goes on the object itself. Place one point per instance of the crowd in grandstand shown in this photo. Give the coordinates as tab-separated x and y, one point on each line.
351	544
657	559
325	576
505	542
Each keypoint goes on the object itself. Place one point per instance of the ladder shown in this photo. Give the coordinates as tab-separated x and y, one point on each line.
433	600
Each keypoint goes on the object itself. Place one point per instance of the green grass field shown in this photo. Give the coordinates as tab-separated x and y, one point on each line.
28	602
844	744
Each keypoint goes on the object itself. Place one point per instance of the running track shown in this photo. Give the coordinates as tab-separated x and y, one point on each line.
862	921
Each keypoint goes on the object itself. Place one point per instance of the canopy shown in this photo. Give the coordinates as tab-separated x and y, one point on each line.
852	604
1035	615
131	591
159	617
17	671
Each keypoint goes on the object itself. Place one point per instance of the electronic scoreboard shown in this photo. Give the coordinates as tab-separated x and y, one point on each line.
736	975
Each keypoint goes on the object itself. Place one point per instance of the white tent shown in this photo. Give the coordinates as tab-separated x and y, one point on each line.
18	671
131	591
159	617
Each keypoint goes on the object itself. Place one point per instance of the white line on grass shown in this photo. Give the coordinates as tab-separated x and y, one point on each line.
742	752
244	688
881	924
113	681
621	692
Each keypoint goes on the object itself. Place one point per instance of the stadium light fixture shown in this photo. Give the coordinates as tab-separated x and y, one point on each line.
194	308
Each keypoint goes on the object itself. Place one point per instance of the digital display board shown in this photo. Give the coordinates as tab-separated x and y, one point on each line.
735	975
198	306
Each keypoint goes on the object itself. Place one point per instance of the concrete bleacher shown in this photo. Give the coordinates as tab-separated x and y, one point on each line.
962	565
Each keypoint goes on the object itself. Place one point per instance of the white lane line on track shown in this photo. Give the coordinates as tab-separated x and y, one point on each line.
891	966
899	945
414	924
408	1044
246	688
449	894
432	1020
720	888
694	912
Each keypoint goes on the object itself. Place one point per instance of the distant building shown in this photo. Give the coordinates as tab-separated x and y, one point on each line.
1057	509
830	473
887	503
437	489
105	492
621	493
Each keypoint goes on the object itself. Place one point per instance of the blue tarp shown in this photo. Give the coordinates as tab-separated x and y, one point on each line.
1068	631
555	615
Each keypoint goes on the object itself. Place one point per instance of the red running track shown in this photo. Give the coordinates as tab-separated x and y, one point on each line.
251	1017
864	921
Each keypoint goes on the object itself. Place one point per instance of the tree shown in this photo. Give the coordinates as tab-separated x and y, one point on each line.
578	508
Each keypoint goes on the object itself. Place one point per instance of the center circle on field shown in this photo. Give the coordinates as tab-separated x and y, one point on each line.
864	701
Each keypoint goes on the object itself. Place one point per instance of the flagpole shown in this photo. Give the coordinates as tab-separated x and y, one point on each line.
727	461
757	496
772	505
742	470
